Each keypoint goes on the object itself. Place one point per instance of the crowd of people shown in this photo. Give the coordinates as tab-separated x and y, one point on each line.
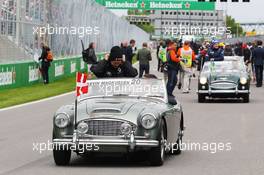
176	59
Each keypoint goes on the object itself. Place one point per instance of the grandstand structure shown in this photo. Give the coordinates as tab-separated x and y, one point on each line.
24	25
17	19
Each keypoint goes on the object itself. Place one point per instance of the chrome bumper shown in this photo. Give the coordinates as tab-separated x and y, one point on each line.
223	92
100	141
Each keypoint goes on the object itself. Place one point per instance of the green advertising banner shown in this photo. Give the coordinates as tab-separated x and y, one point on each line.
157	4
13	75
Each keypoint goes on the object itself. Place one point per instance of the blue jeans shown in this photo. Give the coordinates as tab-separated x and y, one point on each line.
172	80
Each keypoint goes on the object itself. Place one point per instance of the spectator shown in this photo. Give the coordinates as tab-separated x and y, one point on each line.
258	61
129	51
173	67
45	62
228	51
158	55
144	56
187	56
90	56
114	66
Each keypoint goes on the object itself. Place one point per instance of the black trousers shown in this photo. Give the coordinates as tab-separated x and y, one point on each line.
45	72
143	68
259	74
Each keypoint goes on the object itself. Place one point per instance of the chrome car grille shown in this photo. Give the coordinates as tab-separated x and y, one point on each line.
223	86
106	127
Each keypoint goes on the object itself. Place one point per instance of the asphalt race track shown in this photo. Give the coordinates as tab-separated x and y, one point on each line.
227	121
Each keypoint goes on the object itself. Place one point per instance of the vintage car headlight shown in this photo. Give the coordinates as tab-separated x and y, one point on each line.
62	120
243	80
126	128
82	128
148	121
203	80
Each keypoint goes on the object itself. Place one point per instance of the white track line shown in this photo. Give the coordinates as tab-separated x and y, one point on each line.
35	102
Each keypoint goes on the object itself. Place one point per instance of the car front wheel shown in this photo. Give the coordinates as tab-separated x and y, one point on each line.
201	98
246	98
62	157
157	154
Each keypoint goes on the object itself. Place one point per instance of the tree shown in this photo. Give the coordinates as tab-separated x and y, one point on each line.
146	27
233	26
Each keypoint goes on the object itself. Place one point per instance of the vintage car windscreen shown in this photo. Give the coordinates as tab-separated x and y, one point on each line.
222	66
126	87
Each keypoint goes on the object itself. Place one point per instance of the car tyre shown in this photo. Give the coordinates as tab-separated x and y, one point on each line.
246	98
62	157
157	154
201	98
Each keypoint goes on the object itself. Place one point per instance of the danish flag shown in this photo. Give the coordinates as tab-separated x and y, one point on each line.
81	84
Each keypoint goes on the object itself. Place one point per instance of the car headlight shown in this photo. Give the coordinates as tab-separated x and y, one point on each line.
243	80
62	120
126	128
203	80
148	121
82	128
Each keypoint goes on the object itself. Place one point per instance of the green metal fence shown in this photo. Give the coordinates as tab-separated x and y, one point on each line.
20	74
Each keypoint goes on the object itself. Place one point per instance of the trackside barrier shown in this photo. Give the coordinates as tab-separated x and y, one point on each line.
20	74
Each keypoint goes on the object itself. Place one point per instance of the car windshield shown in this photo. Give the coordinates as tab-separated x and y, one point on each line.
222	66
127	87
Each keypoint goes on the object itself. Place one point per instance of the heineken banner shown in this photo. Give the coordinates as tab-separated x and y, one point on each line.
157	4
22	74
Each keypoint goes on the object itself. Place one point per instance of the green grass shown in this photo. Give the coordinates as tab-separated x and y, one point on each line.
10	97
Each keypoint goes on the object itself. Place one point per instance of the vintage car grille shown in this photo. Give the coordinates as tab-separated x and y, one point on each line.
223	86
106	127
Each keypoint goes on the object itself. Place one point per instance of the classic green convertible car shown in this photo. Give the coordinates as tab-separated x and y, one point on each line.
120	116
224	79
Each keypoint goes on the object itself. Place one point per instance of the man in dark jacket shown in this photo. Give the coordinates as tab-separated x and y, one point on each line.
129	51
258	61
216	53
45	64
144	56
90	55
114	66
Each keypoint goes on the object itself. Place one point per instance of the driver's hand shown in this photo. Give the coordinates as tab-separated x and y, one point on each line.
106	57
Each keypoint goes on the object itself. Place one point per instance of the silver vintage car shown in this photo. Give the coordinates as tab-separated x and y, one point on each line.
120	116
224	79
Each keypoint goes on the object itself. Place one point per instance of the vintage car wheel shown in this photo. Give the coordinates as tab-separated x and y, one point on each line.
246	98
157	154
201	98
62	157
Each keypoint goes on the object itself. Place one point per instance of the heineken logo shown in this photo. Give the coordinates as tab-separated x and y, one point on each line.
157	5
125	4
169	5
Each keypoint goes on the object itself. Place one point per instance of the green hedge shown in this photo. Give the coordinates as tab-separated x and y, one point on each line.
13	75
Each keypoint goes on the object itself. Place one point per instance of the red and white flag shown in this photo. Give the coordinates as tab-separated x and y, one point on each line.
81	84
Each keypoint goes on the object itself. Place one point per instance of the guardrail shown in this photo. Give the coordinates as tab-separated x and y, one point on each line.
20	74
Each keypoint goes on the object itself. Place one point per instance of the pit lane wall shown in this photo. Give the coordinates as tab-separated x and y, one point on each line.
21	74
